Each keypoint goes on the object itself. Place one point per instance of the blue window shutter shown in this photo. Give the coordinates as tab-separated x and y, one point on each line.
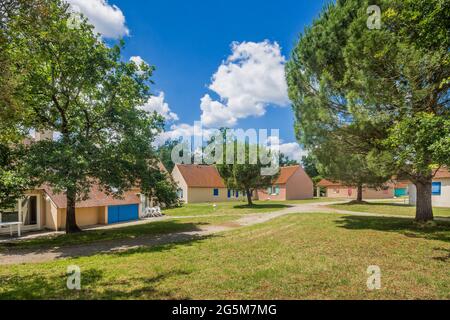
436	188
216	192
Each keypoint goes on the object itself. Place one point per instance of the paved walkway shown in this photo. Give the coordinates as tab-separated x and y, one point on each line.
19	256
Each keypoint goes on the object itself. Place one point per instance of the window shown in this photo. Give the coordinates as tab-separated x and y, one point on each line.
277	190
436	188
180	193
216	192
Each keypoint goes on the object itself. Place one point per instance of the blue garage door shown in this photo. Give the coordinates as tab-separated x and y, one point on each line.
126	213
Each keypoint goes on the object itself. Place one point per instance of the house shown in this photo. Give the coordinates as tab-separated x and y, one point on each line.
339	190
292	184
401	188
44	209
440	189
202	183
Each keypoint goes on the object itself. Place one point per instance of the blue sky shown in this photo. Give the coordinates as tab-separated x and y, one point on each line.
187	42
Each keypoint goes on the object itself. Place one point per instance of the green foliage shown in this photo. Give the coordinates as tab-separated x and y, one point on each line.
309	163
165	154
12	180
77	86
244	175
369	88
286	162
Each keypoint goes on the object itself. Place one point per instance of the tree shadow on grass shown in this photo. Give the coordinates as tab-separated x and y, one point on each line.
127	240
375	204
93	286
36	286
445	257
92	236
405	227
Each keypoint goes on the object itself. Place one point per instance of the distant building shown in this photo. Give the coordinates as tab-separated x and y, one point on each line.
336	189
292	184
440	189
202	183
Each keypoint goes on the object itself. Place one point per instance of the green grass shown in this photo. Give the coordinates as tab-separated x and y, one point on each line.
389	209
304	256
142	230
228	208
238	207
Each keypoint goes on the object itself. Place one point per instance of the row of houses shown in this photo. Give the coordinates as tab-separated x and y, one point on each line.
395	189
201	183
44	209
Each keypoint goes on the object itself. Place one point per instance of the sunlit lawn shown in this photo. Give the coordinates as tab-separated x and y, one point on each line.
303	256
389	209
239	207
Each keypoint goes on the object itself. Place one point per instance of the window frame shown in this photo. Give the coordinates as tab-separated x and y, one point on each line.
436	184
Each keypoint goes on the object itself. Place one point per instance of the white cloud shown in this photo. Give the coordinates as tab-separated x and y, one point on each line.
251	78
107	19
292	150
159	105
138	60
216	113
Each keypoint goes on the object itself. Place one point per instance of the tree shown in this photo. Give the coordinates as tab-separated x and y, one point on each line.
165	154
242	175
309	163
339	162
285	161
345	75
13	181
79	88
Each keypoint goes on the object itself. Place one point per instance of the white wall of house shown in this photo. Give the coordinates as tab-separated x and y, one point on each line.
442	200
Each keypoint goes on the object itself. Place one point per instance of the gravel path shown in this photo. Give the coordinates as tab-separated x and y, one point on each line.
20	256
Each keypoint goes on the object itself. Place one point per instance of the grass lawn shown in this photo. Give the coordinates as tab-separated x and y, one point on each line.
303	256
238	207
151	228
228	208
389	208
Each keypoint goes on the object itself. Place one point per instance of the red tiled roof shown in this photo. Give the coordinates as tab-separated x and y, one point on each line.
201	176
328	183
286	173
442	173
97	198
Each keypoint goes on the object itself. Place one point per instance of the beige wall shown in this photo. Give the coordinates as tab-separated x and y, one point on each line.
179	180
51	215
299	186
438	201
199	195
368	193
264	195
85	217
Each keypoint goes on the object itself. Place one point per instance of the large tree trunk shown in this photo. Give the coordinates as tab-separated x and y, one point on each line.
424	206
249	197
359	197
71	221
